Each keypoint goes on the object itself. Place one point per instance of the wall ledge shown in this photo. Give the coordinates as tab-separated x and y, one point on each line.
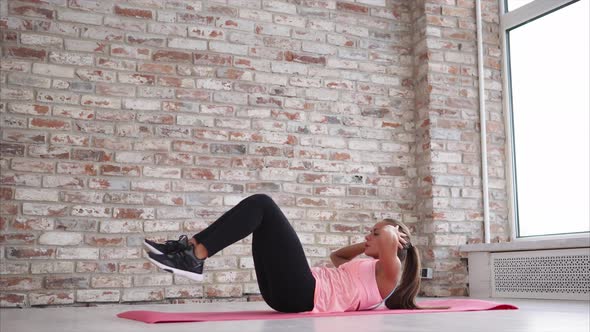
523	245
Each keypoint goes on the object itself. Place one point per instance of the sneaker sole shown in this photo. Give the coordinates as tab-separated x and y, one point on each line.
152	249
186	274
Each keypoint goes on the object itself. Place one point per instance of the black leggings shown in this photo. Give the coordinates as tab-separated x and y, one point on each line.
284	277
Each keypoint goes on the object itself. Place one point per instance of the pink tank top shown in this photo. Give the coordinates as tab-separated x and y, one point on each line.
350	287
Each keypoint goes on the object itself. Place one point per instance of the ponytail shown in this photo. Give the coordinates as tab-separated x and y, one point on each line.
404	296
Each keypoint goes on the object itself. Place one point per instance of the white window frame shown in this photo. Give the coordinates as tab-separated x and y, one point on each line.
508	21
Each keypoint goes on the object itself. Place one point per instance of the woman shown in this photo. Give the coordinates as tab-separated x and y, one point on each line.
286	281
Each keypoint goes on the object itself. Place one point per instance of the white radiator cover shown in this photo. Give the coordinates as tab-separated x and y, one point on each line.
543	274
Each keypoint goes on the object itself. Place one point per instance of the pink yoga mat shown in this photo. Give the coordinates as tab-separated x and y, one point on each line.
176	317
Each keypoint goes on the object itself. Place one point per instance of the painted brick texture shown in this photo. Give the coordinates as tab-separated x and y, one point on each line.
132	119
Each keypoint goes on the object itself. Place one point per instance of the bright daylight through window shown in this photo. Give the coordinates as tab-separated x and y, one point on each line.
549	81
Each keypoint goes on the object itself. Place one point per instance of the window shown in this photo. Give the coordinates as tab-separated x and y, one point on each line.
547	44
514	4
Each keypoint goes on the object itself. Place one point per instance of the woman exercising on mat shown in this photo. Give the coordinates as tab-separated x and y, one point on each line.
286	281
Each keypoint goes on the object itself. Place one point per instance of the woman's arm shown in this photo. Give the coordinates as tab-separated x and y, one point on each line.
347	253
388	244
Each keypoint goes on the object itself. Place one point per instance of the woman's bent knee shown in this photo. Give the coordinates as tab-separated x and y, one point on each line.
261	198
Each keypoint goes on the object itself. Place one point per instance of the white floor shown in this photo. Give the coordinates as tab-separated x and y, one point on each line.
533	316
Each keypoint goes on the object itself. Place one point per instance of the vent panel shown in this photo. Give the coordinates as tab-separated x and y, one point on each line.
546	274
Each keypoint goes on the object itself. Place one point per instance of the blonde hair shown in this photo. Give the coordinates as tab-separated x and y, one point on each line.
405	294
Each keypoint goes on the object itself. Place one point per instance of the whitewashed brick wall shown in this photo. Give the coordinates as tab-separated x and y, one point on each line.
136	118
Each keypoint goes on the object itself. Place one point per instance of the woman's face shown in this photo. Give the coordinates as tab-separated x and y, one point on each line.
371	240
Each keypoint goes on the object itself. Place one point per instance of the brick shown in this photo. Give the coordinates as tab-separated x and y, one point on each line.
31	223
58	97
145	40
172	173
192	94
31	109
14	268
15	65
114	170
117	64
76	225
92	295
120	253
81	197
104	183
132	295
101	267
190	186
91	211
79	17
15	150
51	298
94	127
9	208
13	300
69	139
20	283
176	82
155	118
203	58
200	173
85	46
111	281
173	131
137	79
184	291
60	238
152	280
36	195
16	93
221	290
172	56
77	253
161	226
134	157
122	23
133	12
101	102
38	166
53	70
29	80
42	123
65	282
135	267
206	33
123	198
96	75
134	213
190	146
26	53
29	253
73	112
164	199
40	209
7	193
68	58
17	239
134	52
15	179
118	226
40	151
151	185
52	267
91	155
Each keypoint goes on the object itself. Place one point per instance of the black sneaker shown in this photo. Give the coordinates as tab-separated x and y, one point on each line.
168	247
183	263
